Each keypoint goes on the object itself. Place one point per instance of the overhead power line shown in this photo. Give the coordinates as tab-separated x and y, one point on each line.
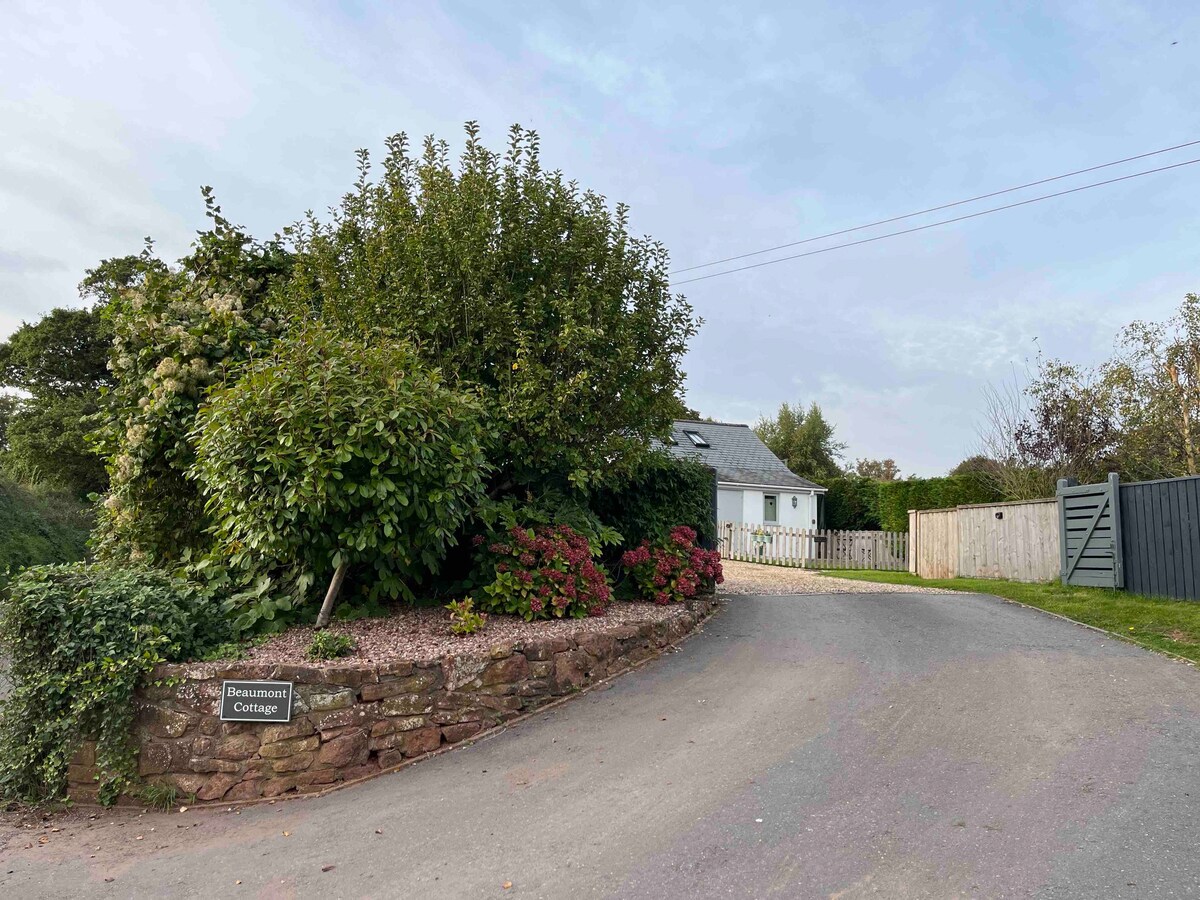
932	209
974	215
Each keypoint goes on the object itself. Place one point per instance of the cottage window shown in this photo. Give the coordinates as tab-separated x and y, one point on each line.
696	438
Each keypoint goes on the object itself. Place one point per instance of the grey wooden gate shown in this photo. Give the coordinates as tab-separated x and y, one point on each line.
1089	520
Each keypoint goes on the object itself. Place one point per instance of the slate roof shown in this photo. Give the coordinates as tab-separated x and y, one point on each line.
737	453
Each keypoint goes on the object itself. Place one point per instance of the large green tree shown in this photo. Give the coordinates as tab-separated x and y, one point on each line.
804	440
516	281
56	368
1154	388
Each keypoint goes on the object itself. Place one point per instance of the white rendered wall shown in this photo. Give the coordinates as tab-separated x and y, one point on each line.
729	505
802	515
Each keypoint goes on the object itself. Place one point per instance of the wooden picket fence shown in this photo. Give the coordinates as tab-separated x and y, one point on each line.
812	549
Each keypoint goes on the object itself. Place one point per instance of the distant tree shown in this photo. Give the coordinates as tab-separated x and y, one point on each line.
877	469
1154	383
55	368
977	464
804	440
65	352
1061	424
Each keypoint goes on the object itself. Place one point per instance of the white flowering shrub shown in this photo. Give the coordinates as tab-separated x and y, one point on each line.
175	334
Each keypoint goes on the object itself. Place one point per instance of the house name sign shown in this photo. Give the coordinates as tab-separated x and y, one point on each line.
256	701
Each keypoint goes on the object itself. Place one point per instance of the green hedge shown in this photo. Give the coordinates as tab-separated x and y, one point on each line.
39	527
851	503
662	493
896	498
860	504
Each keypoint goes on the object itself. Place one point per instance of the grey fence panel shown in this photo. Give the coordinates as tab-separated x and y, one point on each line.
1090	533
1161	539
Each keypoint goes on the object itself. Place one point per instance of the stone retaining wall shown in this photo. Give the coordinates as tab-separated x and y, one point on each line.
351	721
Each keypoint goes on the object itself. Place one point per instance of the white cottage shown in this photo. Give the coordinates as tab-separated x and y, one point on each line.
753	484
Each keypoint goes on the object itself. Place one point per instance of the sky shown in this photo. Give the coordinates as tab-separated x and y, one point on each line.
726	128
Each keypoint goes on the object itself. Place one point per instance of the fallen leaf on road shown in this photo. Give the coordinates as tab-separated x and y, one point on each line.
183	809
506	885
328	868
287	834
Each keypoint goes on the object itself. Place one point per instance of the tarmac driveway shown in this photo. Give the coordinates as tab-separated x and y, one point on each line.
872	744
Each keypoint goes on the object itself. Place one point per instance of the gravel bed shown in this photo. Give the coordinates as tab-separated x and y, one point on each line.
423	635
755	578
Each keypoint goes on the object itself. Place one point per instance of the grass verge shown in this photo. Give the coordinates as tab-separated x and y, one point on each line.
1157	623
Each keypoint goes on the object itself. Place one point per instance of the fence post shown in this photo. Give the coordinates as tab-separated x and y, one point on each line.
914	523
1114	505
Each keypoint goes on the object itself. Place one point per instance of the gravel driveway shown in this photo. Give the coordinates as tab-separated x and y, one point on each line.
754	578
885	745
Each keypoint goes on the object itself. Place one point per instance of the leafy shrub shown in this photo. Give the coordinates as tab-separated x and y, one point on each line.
80	637
673	570
546	572
513	280
332	451
546	509
896	498
463	617
661	492
329	645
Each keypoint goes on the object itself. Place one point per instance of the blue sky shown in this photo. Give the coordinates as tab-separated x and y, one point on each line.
725	128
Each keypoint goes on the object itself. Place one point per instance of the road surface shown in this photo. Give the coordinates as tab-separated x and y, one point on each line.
899	745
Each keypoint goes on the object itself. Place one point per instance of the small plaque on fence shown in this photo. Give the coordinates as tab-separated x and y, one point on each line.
256	701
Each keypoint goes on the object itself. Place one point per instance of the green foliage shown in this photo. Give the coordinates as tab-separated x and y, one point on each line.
329	645
59	364
852	503
660	493
1135	414
896	498
1154	386
329	450
159	796
463	617
515	282
39	526
549	508
48	438
544	573
176	333
80	637
65	352
804	440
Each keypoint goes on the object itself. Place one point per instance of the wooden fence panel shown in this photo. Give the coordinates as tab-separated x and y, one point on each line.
1017	541
1160	537
937	551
